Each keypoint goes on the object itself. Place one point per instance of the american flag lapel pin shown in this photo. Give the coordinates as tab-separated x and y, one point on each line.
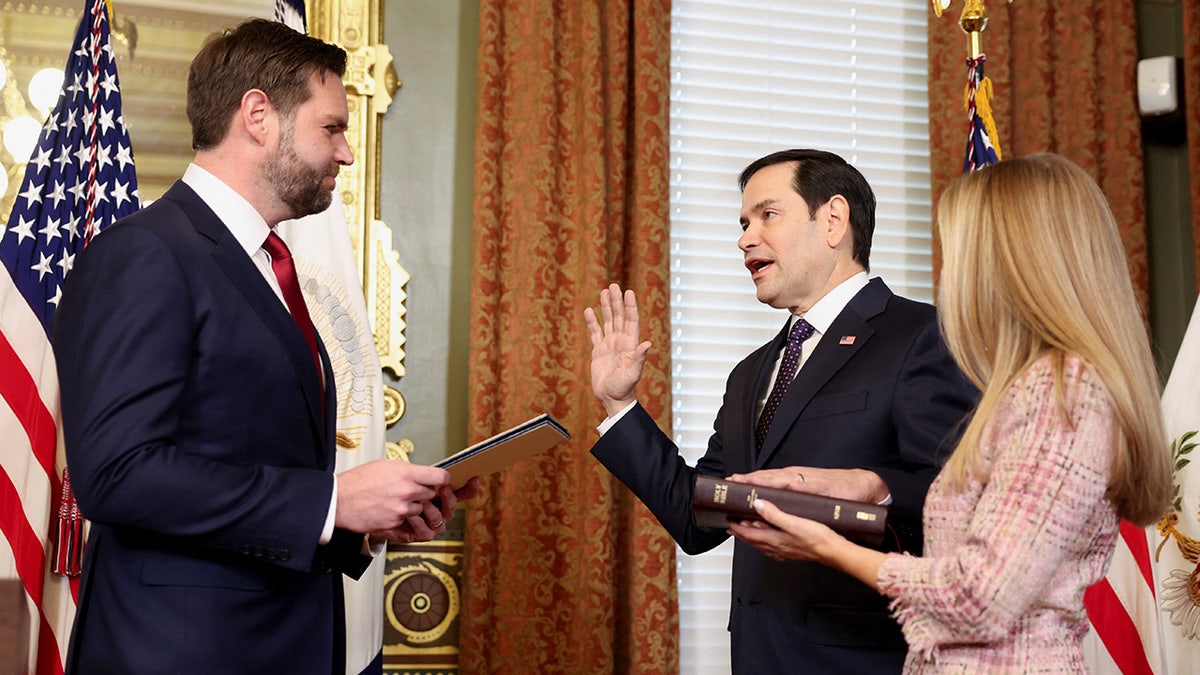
846	340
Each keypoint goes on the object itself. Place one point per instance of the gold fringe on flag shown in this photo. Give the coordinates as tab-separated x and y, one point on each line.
983	108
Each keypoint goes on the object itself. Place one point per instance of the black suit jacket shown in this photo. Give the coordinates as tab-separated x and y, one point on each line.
890	402
197	446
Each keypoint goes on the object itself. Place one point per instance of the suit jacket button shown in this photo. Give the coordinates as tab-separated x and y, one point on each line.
285	555
246	550
258	551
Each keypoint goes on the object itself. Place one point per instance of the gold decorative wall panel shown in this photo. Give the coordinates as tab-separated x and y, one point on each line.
357	25
422	593
155	43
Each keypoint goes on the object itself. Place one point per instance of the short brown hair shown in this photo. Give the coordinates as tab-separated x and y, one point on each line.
820	175
256	54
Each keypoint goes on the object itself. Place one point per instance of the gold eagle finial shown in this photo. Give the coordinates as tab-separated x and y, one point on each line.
973	20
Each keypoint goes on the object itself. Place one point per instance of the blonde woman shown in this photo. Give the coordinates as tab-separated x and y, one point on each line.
1037	309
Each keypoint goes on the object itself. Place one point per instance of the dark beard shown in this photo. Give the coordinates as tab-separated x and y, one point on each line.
297	184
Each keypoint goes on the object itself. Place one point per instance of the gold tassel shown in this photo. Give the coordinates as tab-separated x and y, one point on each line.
983	108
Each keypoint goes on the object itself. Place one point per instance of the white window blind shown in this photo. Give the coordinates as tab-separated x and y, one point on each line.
750	77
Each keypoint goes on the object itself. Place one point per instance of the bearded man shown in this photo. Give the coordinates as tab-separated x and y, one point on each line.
198	401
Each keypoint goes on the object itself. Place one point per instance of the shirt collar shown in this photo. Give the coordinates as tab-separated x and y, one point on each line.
243	220
828	308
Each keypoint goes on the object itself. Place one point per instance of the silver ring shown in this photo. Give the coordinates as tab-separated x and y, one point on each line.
438	523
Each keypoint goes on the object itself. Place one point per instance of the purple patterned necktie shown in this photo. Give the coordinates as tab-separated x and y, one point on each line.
801	331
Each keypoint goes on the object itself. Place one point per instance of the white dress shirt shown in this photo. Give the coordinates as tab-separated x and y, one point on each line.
821	316
250	230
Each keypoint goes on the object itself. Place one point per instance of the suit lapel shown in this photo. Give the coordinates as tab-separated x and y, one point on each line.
329	419
828	357
754	390
232	259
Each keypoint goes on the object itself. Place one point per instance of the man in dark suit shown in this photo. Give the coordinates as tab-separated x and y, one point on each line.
868	415
199	411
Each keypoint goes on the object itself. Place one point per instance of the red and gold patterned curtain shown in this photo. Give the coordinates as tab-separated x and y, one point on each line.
565	571
1191	96
1064	75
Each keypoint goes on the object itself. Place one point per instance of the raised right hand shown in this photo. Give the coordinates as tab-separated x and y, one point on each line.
617	356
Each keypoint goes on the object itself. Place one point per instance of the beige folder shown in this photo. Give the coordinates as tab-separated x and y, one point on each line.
504	449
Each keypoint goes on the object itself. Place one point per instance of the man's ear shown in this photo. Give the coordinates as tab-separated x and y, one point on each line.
837	227
255	114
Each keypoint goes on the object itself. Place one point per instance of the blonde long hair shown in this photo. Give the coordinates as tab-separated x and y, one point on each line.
1034	266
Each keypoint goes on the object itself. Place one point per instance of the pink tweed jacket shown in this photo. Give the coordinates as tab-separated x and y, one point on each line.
1000	588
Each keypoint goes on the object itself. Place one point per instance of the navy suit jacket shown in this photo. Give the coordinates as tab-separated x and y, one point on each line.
198	449
890	402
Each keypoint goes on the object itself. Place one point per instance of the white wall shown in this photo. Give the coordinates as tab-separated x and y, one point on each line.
427	164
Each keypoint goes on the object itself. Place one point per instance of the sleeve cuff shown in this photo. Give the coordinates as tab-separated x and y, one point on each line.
327	530
610	422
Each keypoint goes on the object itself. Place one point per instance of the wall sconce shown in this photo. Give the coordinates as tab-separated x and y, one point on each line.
24	106
21	115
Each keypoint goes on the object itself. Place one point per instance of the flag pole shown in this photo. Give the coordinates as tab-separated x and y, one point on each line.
983	140
973	21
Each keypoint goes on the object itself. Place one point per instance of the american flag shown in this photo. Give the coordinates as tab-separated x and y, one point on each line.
77	182
291	13
983	143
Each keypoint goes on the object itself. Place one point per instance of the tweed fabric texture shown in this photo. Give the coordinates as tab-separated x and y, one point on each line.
1000	589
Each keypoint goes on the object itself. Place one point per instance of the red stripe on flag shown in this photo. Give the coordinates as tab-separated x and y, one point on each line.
19	390
1116	629
1135	539
23	539
30	560
20	394
49	662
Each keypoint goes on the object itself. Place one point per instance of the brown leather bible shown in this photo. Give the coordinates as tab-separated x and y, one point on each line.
716	501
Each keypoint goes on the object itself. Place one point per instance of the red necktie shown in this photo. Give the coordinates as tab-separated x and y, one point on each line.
285	272
801	331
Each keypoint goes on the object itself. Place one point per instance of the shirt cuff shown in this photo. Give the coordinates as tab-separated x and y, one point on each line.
611	421
373	548
327	530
